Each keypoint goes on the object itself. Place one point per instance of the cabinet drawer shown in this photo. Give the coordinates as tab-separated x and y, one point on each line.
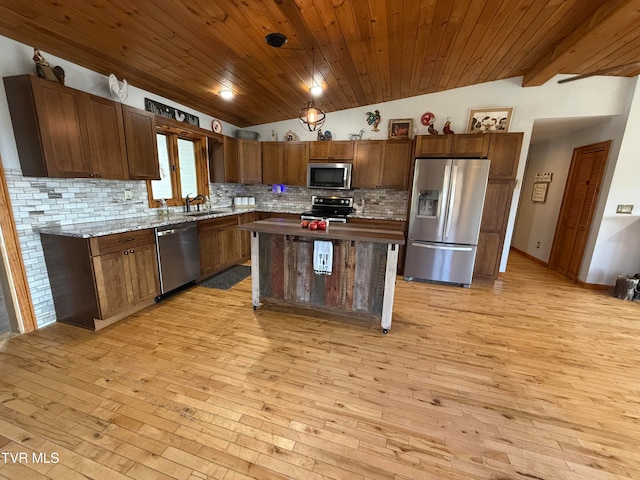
121	241
217	223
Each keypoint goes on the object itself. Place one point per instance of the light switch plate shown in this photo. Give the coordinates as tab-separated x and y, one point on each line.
128	194
624	209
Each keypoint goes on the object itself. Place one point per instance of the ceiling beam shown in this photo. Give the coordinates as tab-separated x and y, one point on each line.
595	33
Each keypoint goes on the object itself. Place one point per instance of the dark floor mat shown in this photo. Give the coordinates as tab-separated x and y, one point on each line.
228	278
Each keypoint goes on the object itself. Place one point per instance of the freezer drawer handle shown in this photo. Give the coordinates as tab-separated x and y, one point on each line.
437	247
166	232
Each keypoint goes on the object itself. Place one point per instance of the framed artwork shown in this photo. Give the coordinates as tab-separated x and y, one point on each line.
489	120
539	193
400	128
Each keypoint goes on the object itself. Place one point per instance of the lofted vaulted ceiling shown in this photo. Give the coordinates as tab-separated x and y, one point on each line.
366	52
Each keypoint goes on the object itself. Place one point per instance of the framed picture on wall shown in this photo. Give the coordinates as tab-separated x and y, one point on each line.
489	120
400	128
539	193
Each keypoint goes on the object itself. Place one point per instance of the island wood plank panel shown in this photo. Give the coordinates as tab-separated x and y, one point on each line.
530	377
356	282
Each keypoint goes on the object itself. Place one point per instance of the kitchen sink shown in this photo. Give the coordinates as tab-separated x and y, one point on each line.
202	214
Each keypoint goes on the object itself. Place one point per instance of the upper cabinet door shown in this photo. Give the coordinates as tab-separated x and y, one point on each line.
296	158
367	163
105	137
396	164
142	147
470	145
433	146
61	120
504	153
250	161
331	150
272	162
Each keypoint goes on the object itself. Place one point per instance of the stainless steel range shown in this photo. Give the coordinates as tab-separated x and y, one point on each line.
334	209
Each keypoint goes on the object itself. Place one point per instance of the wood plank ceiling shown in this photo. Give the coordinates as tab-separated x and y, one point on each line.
366	51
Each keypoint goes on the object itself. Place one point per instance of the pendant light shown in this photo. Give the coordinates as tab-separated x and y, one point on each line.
312	117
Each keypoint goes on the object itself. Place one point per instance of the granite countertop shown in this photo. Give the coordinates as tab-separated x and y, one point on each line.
108	227
336	231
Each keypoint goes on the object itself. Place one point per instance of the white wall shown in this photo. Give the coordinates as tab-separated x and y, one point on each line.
594	96
616	249
536	222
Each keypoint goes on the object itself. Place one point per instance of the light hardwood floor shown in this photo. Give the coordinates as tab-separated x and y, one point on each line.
530	378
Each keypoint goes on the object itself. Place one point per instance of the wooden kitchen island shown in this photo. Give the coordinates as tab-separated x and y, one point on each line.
363	277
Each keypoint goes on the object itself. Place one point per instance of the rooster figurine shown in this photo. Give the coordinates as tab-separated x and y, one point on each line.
44	70
120	89
373	119
447	128
432	130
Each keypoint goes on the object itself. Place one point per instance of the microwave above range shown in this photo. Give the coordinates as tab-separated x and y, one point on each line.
331	176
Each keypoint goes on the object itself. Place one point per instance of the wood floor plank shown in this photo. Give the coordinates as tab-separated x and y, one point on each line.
530	377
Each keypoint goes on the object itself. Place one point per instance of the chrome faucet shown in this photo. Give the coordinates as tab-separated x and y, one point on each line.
188	201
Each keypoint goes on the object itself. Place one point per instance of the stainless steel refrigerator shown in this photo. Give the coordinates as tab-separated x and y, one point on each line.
444	219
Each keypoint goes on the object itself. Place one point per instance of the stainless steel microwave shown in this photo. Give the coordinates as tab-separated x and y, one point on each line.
331	176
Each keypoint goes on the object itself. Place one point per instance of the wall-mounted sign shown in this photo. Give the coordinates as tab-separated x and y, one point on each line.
170	112
539	193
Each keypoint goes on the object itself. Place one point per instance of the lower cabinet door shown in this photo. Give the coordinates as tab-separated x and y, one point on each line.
144	273
113	283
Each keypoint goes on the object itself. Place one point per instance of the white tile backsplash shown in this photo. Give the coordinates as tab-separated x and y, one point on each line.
42	201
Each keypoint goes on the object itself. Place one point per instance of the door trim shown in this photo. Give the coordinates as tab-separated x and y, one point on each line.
15	268
571	177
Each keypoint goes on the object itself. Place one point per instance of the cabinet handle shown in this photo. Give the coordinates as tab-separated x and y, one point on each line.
125	240
131	251
125	252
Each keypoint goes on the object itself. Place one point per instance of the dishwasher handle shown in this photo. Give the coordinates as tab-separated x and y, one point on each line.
166	232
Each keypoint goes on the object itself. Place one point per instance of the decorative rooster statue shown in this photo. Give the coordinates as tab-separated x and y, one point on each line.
373	119
432	130
447	128
118	88
44	70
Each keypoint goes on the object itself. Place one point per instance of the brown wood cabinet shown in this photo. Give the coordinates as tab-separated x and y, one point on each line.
504	152
381	164
223	160
100	280
142	147
125	269
63	132
220	244
472	145
250	161
285	162
331	150
107	151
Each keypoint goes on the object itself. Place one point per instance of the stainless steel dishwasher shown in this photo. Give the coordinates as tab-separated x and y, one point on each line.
178	255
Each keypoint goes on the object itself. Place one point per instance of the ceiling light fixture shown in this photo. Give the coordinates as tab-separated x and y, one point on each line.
226	94
311	117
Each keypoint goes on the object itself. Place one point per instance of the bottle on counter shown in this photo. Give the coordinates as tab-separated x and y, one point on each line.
163	211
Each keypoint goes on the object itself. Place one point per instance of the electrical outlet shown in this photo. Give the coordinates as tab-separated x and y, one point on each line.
518	183
624	209
537	244
128	194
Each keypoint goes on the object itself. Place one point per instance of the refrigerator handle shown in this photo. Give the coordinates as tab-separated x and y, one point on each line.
442	215
451	201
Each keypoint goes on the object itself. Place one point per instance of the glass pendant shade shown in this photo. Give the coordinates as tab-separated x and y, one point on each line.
311	117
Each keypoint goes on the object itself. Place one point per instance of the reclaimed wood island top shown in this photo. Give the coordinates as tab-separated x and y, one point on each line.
289	266
336	231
